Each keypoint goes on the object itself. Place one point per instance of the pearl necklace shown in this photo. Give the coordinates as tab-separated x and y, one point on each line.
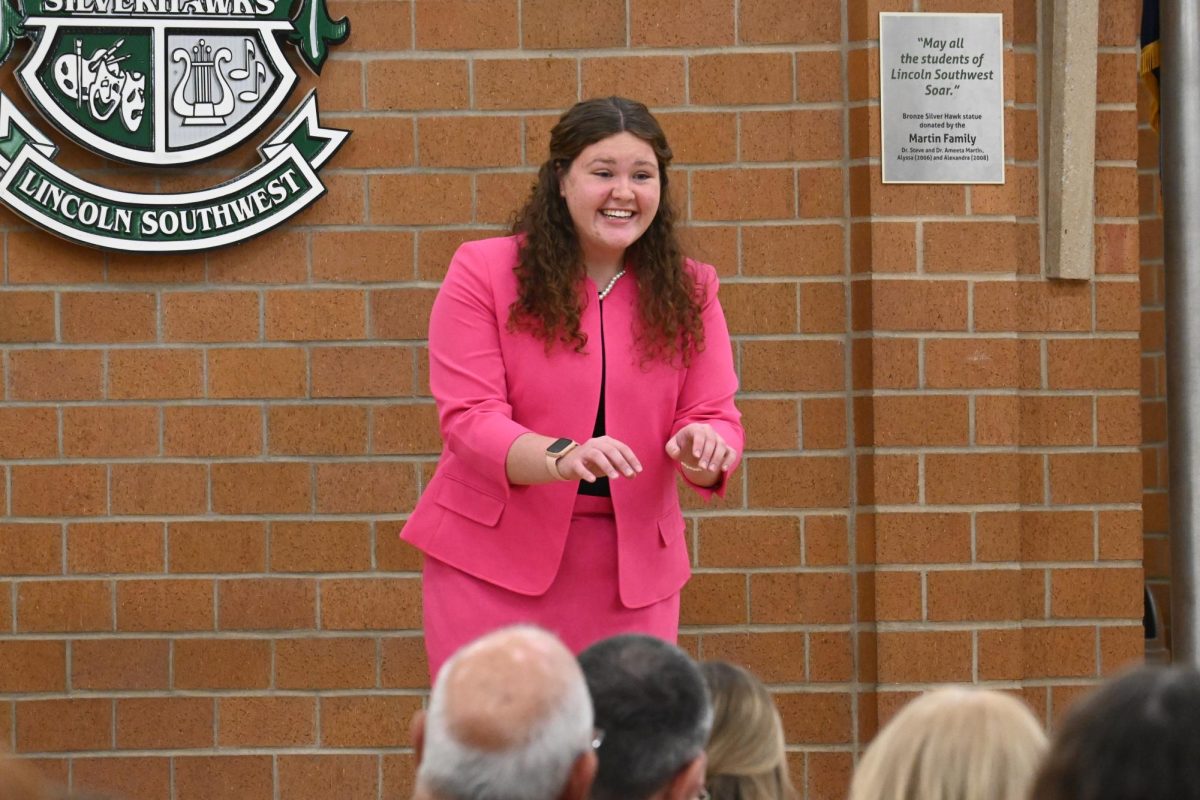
604	292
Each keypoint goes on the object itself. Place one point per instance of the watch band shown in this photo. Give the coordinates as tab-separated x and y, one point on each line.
556	451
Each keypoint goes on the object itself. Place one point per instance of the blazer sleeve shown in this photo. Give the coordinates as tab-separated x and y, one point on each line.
466	370
710	381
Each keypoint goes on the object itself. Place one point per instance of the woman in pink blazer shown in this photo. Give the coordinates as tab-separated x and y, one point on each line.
578	366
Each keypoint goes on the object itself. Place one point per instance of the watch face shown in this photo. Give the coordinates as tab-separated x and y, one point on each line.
558	446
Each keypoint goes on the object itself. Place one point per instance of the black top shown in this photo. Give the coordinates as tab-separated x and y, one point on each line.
600	488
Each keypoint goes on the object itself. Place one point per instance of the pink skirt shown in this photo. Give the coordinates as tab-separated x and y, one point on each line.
581	606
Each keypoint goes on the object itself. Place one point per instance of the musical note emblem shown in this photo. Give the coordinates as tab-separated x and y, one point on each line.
258	72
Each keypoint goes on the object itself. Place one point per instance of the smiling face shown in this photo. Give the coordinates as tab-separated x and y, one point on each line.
612	190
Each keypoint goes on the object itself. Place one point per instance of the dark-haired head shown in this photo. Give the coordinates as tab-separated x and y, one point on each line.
652	704
551	264
1136	738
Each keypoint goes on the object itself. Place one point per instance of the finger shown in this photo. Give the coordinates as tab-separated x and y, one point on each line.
730	457
673	448
575	470
598	461
706	453
619	456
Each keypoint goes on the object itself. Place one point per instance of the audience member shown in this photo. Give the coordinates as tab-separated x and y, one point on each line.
1136	738
509	719
955	743
746	759
653	709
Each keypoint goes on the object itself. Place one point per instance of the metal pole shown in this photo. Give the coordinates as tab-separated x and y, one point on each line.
1180	77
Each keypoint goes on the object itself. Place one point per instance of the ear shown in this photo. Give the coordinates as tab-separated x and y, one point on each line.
579	781
688	781
416	732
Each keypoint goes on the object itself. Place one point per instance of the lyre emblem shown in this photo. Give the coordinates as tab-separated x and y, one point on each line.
212	99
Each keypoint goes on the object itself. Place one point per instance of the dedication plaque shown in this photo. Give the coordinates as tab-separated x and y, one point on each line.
941	89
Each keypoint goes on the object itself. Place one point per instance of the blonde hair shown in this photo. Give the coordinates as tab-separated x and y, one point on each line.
746	759
954	743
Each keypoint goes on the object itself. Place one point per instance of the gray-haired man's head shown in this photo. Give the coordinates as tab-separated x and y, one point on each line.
509	719
652	703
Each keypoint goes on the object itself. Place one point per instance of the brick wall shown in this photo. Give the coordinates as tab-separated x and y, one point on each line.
205	459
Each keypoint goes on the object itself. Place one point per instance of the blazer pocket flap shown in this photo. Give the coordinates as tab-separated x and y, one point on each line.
670	527
470	502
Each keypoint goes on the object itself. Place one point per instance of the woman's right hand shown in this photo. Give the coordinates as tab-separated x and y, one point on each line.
600	457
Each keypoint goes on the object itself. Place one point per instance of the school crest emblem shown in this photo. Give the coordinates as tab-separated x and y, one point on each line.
164	83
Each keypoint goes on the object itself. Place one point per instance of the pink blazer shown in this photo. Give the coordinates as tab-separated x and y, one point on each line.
493	385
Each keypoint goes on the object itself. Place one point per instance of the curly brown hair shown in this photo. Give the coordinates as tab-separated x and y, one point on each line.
550	264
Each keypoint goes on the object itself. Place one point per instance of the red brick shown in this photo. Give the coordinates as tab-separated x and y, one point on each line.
1034	420
526	83
165	605
887	479
405	429
714	599
266	604
222	664
110	431
49	726
401	313
773	656
216	546
403	662
154	374
1024	306
325	663
971	363
974	595
317	430
791	135
312	776
550	25
55	375
770	424
887	363
919	537
792	366
159	488
280	256
205	431
787	250
365	256
257	372
1121	648
815	597
206	777
115	547
893	305
1096	593
826	540
262	488
428	198
789	21
362	371
34	257
28	432
465	24
937	656
158	723
653	80
74	490
887	596
754	541
120	664
322	314
64	606
108	317
134	778
370	603
1095	478
497	194
320	546
821	190
1060	652
911	420
661	23
367	721
33	666
869	195
30	549
416	84
26	317
366	487
740	78
815	717
211	316
267	721
971	478
799	482
1000	656
818	76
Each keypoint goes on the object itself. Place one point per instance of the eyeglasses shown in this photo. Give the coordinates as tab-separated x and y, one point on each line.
598	738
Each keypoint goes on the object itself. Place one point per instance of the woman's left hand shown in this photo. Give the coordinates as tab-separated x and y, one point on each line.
699	448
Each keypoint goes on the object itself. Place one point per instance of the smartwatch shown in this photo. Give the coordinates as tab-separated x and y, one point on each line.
557	449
